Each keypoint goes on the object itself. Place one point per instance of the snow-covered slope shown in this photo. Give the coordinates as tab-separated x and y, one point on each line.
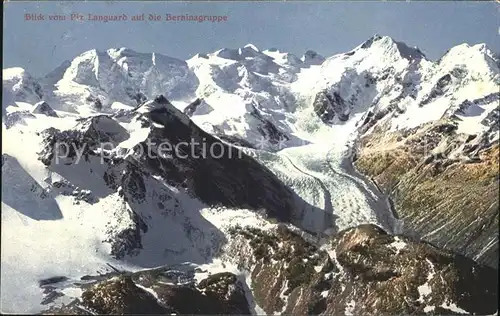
97	79
291	124
248	90
383	76
19	86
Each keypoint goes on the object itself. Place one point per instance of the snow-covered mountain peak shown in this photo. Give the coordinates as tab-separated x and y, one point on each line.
123	59
14	73
482	47
466	47
376	55
116	53
16	77
84	68
252	47
478	58
96	79
239	54
283	58
233	82
388	46
160	104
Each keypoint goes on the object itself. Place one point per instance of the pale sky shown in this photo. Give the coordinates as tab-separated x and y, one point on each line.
326	27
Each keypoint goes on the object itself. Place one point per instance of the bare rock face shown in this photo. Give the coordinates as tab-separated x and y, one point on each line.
361	271
330	105
197	107
120	296
18	117
364	271
444	185
311	57
147	292
229	167
282	263
385	274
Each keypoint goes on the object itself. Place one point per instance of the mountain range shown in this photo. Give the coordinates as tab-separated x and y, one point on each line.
361	183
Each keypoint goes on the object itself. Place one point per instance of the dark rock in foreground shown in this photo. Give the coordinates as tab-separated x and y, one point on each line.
386	274
364	271
147	292
361	271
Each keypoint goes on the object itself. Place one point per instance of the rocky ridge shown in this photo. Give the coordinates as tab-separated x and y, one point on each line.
361	271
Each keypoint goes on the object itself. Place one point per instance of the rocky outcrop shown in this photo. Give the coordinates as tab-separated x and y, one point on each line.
364	271
197	107
120	296
15	118
282	262
43	107
199	167
148	292
311	57
191	108
330	105
444	185
361	271
383	274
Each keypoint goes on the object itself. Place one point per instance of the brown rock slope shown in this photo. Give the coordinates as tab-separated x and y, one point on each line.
146	292
364	271
445	186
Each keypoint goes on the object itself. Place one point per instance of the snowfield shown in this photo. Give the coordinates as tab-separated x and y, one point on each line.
265	101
